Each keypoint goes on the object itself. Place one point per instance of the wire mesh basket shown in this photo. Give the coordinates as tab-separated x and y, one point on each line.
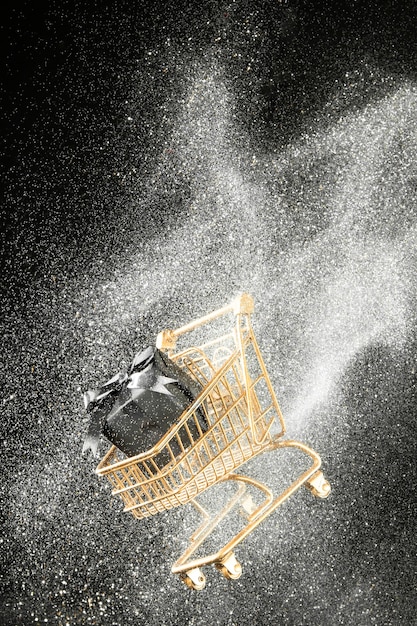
234	418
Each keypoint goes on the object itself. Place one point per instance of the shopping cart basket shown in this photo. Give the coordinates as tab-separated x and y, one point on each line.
243	419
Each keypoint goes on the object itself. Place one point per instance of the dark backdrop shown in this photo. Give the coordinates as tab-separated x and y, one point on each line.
157	159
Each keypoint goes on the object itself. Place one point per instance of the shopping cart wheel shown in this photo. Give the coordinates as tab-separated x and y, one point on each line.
194	578
230	567
318	485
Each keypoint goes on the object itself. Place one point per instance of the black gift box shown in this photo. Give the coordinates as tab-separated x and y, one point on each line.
134	410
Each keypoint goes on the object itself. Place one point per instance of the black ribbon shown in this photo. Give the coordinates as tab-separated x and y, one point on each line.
153	391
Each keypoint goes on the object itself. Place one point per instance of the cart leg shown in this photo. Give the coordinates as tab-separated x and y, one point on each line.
201	529
318	485
247	506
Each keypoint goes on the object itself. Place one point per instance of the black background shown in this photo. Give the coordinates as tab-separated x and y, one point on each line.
97	181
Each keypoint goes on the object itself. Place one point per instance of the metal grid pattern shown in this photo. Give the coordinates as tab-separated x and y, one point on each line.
239	407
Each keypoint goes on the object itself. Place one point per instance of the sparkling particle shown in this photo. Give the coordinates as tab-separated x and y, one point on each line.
159	160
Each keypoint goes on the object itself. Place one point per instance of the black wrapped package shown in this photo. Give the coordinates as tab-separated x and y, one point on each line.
135	409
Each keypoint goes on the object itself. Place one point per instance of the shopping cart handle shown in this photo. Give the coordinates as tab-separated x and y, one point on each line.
242	305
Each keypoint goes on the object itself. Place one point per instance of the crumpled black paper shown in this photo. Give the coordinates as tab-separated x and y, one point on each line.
134	409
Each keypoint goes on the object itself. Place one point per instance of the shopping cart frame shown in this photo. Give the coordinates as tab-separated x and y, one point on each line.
181	466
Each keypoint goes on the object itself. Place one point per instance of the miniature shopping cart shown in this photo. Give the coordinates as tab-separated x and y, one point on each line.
242	419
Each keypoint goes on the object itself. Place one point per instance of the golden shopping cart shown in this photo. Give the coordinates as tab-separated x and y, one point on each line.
241	419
